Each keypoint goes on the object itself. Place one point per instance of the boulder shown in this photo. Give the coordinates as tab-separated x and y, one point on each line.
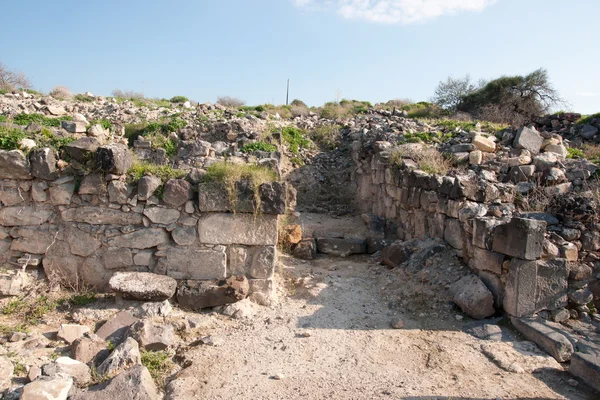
74	126
70	332
394	255
133	384
484	144
306	249
473	297
152	336
93	184
14	165
124	356
177	192
184	235
114	158
119	192
67	366
143	286
196	295
588	131
82	149
147	185
89	349
43	163
528	139
114	329
273	198
48	388
14	283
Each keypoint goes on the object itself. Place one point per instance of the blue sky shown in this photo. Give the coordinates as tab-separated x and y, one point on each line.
372	50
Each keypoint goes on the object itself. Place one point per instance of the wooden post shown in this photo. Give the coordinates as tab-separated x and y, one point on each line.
287	94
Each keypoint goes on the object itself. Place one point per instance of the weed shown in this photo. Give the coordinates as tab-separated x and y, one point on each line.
327	136
258	146
26	119
575	153
3	118
106	124
228	174
159	365
83	98
19	368
164	172
110	345
295	138
96	377
178	99
428	159
82	299
32	310
6	330
10	138
297	161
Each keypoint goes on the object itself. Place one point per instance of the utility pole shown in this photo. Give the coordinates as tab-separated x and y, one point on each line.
287	94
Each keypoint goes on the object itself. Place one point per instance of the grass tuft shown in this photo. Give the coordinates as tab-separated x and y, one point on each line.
159	365
258	146
164	172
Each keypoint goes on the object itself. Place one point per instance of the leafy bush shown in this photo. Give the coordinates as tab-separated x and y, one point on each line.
175	124
164	172
179	99
258	146
229	101
295	138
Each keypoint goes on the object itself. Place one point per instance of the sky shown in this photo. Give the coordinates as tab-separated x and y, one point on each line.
373	50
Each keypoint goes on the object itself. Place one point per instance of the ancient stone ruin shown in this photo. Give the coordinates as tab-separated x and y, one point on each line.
201	222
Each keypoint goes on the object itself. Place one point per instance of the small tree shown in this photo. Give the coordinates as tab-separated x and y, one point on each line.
11	80
450	93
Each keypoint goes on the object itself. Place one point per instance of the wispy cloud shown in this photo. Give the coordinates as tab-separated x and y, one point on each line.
588	94
396	11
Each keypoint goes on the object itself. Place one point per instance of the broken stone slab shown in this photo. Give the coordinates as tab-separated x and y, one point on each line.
243	229
133	384
473	297
115	328
152	336
71	332
141	239
47	388
528	139
143	286
93	184
43	163
100	216
587	368
395	255
90	348
114	158
306	249
162	215
341	247
521	237
22	216
124	356
153	309
74	126
147	185
195	295
14	165
194	263
549	339
70	367
485	331
14	283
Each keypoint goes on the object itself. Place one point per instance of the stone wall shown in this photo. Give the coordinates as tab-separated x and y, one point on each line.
83	229
531	262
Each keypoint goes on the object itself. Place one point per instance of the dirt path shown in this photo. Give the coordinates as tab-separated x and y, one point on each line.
329	336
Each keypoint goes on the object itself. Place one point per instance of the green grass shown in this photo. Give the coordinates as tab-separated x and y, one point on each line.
575	153
10	138
228	174
106	124
297	161
588	118
26	119
179	99
327	136
159	365
295	139
258	146
164	172
3	118
31	310
4	91
156	132
6	330
82	299
83	98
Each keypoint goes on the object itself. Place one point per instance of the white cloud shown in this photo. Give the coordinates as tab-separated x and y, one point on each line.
397	11
588	94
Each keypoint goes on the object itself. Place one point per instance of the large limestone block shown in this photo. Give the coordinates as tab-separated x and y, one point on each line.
196	295
14	165
100	216
142	239
114	158
48	388
162	215
545	336
22	216
519	292
473	297
453	233
521	237
484	144
528	139
194	263
587	368
143	286
251	230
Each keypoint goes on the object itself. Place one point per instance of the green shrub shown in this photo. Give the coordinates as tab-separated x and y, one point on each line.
258	146
10	138
327	136
26	119
83	98
179	99
588	118
295	138
3	118
164	172
4	91
175	124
